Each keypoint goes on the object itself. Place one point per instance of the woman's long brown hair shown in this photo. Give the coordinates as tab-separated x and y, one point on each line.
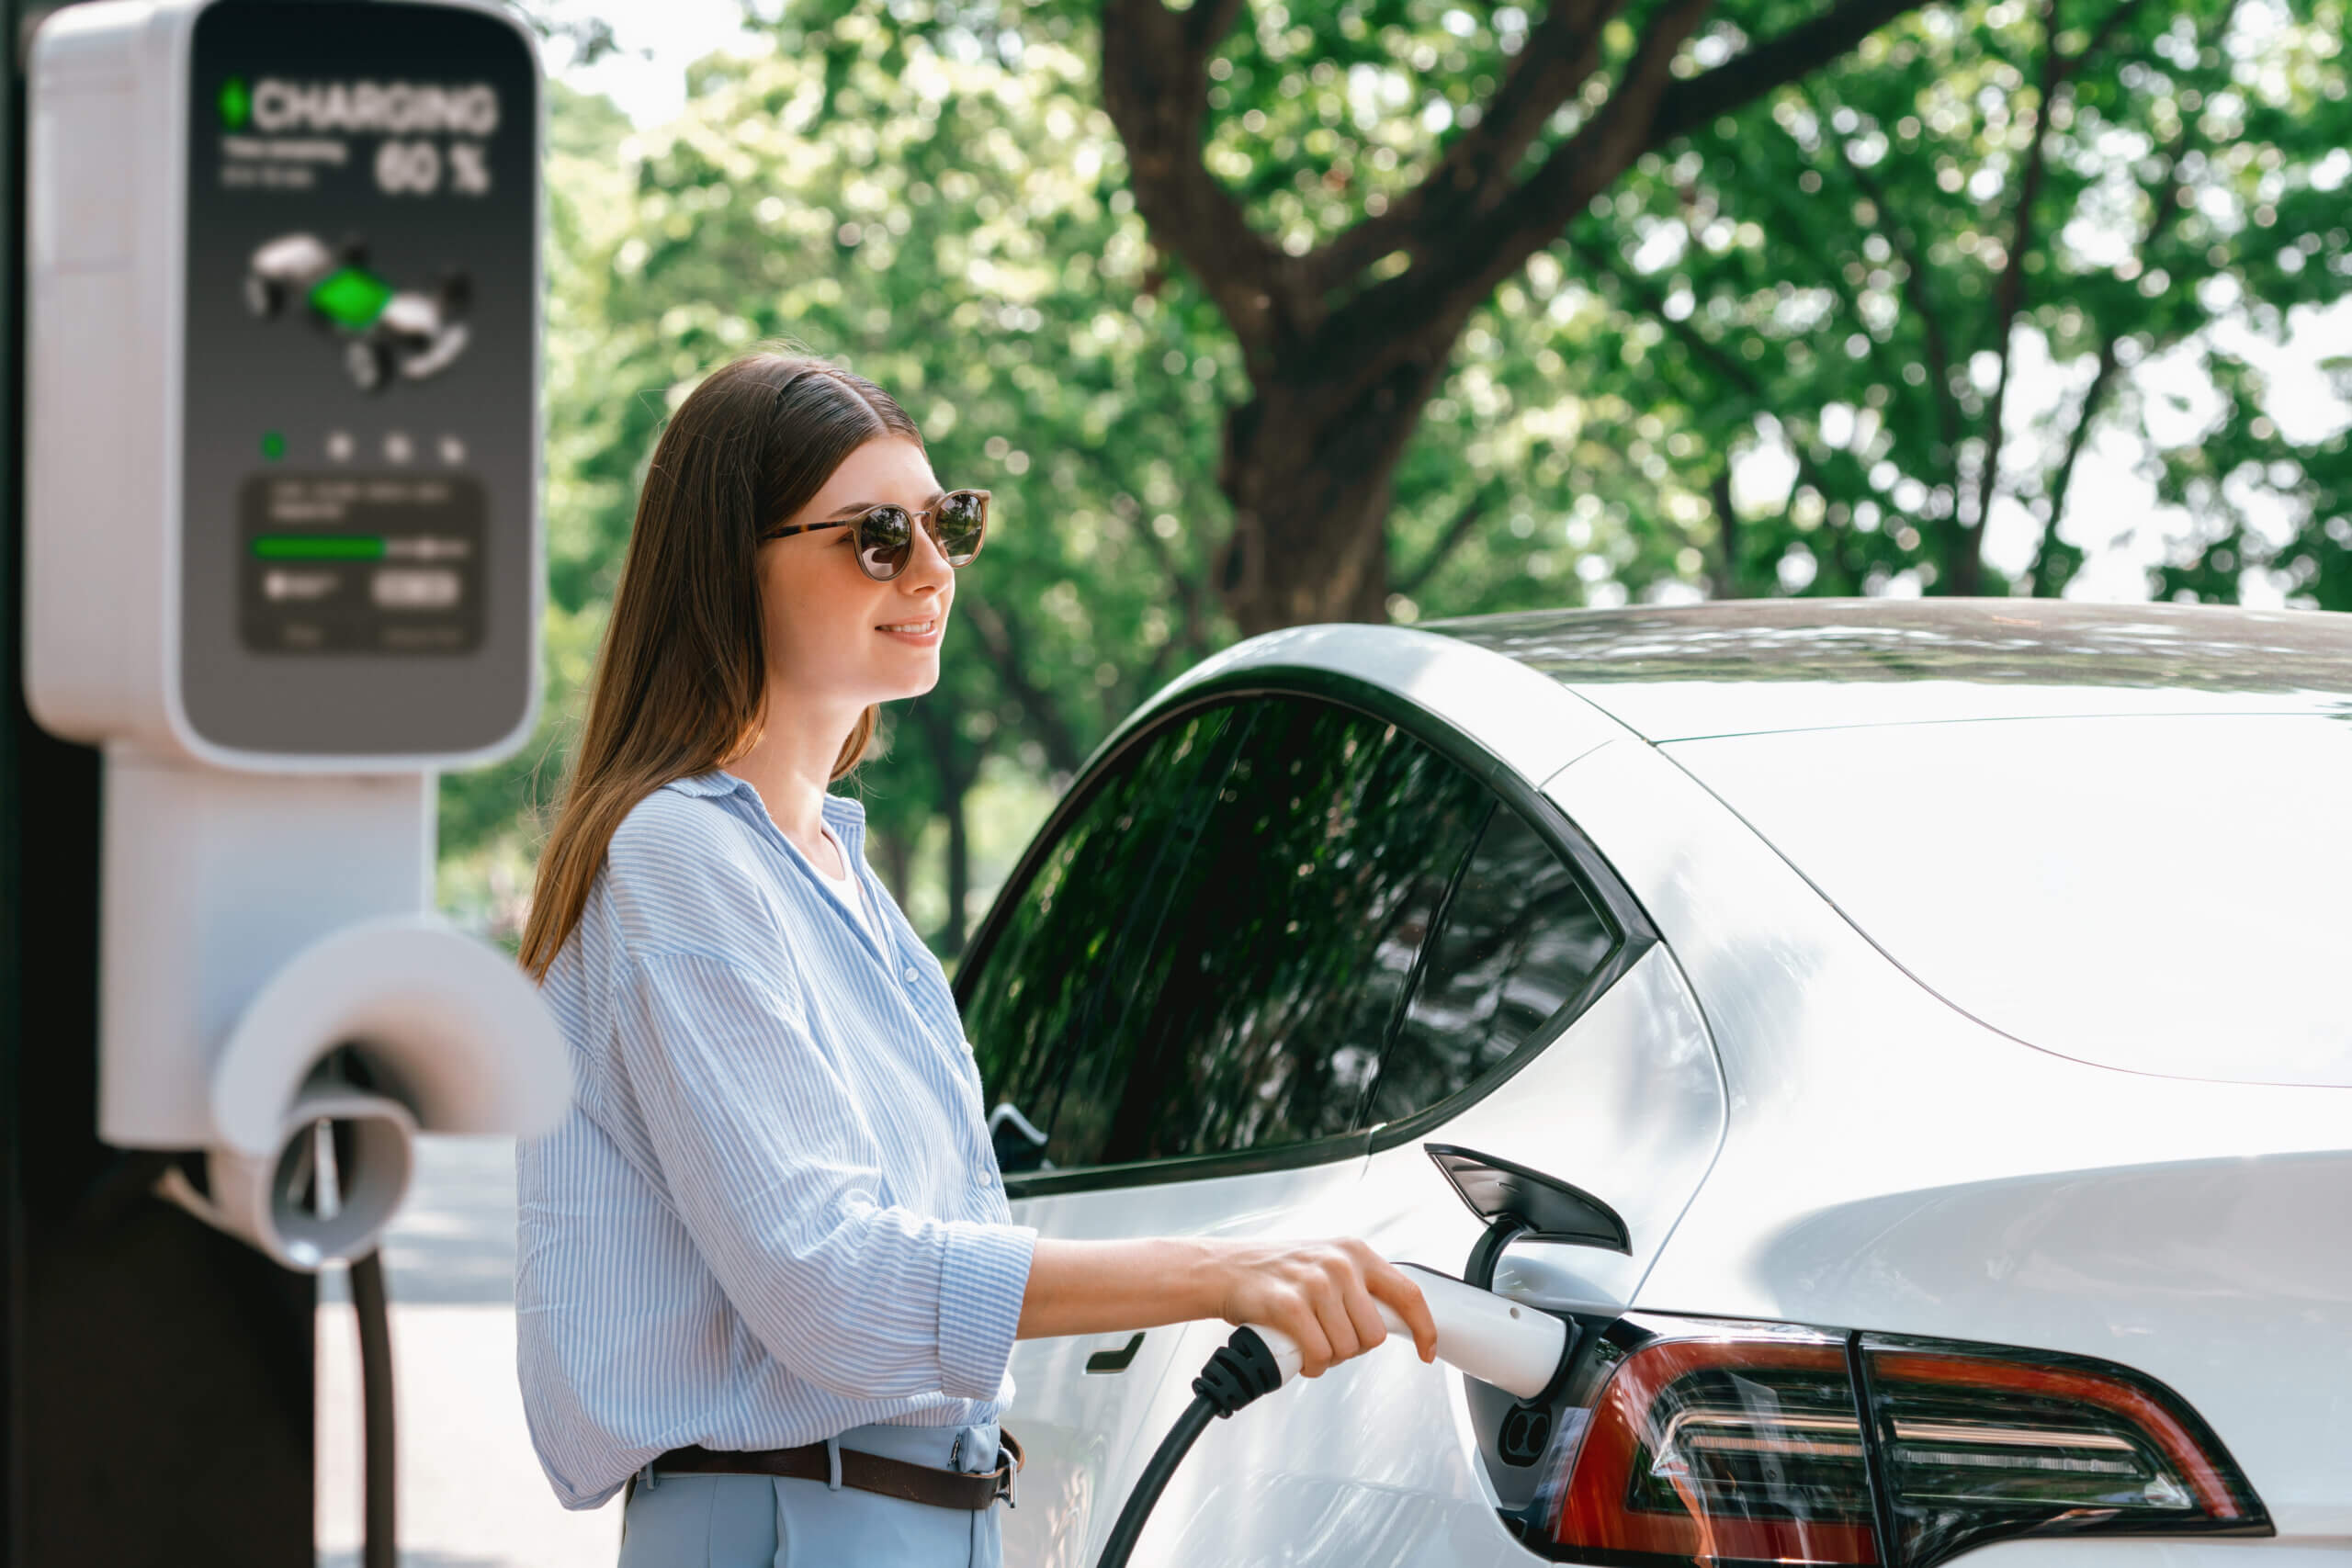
684	666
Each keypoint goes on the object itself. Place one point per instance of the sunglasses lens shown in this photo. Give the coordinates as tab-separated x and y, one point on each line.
963	517
884	539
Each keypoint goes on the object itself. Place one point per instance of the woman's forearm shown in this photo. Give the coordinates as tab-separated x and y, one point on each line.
1101	1287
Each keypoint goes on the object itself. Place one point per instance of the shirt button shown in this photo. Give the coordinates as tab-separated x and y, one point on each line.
910	974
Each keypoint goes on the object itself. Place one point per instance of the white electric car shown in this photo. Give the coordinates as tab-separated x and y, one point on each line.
1911	1043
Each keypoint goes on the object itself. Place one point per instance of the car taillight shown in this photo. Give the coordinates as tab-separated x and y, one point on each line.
1978	1442
1708	1441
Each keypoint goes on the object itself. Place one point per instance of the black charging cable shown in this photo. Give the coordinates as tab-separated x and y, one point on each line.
1242	1369
378	1547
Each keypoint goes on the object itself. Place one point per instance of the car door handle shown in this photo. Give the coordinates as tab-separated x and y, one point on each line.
1114	1360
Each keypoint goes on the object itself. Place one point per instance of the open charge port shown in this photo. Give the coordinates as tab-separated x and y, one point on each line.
1525	1444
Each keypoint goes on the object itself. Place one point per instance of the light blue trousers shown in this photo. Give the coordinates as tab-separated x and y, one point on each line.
760	1521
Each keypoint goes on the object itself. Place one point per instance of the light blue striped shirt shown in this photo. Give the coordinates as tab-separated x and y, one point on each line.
773	1212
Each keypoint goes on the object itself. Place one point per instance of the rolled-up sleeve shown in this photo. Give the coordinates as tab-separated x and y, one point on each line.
778	1178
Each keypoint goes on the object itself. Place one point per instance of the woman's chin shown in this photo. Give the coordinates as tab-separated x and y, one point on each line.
914	686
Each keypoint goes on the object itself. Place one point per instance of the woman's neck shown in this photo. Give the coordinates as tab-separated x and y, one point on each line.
790	766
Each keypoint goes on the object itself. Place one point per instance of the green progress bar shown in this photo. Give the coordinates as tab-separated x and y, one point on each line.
302	546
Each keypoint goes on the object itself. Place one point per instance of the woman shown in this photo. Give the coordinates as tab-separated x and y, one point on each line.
767	1265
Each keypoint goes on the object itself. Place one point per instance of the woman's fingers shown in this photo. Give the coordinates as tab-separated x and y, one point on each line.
1305	1325
1331	1314
1363	1312
1395	1287
1327	1296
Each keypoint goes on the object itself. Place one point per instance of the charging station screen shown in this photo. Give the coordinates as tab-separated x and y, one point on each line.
359	382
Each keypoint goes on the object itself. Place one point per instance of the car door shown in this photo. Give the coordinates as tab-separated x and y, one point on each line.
1545	1026
1185	990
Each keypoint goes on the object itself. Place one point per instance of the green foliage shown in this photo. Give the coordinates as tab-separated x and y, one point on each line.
1858	271
1828	268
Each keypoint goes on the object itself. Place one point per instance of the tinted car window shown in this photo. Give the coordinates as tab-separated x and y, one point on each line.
1519	938
1309	891
1049	1014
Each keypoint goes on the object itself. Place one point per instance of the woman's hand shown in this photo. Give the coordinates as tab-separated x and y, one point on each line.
1323	1295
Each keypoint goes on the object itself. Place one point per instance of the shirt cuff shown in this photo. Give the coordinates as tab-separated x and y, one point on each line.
982	1276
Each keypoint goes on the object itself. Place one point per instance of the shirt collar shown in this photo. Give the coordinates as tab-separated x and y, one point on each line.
703	785
842	811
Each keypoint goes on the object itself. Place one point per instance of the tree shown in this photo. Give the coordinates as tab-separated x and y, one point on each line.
1855	270
1347	322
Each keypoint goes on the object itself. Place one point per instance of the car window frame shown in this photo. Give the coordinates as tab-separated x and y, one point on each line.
1635	933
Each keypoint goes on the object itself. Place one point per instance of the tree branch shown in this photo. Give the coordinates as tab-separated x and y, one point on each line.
1484	251
1001	639
2105	30
1915	293
1728	585
1738	82
1465	523
1601	260
2008	302
1155	88
2046	582
1189	594
1608	265
1475	171
2169	202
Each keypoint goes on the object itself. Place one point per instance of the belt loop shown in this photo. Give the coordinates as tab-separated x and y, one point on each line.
833	1463
647	1476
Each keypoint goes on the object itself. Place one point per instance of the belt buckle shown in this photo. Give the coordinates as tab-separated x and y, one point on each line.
1004	1482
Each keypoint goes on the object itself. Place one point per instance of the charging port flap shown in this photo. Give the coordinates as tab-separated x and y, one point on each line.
1537	1207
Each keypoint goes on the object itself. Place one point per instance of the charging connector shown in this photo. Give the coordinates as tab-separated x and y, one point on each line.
1518	1348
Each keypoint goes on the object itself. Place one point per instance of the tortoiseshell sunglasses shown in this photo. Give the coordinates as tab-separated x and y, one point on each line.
886	533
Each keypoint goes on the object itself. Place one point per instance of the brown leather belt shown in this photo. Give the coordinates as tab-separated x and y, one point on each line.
867	1472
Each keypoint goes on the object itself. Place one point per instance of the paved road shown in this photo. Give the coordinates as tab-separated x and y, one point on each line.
470	1491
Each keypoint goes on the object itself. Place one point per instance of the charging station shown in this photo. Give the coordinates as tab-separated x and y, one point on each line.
272	489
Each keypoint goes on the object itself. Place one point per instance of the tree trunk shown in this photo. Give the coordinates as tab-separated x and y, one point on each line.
1310	483
959	867
897	857
1341	360
955	763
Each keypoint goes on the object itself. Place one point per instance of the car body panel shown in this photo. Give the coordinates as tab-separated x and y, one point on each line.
1086	1435
2114	889
1527	722
1375	1462
1892	1164
1749	666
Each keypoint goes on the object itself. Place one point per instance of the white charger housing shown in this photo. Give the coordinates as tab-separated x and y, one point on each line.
283	360
283	561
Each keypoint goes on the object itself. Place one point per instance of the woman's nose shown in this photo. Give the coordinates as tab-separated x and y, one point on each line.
929	562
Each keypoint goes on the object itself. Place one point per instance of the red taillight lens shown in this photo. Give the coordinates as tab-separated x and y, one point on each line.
1711	1442
1980	1443
1741	1444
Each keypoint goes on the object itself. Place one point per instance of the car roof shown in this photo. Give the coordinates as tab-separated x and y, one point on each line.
1751	666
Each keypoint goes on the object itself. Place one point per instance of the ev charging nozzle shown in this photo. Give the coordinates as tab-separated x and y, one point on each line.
1517	1349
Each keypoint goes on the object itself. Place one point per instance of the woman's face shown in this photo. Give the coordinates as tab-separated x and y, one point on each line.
827	624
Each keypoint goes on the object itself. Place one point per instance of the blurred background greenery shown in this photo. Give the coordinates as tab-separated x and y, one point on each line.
1399	308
